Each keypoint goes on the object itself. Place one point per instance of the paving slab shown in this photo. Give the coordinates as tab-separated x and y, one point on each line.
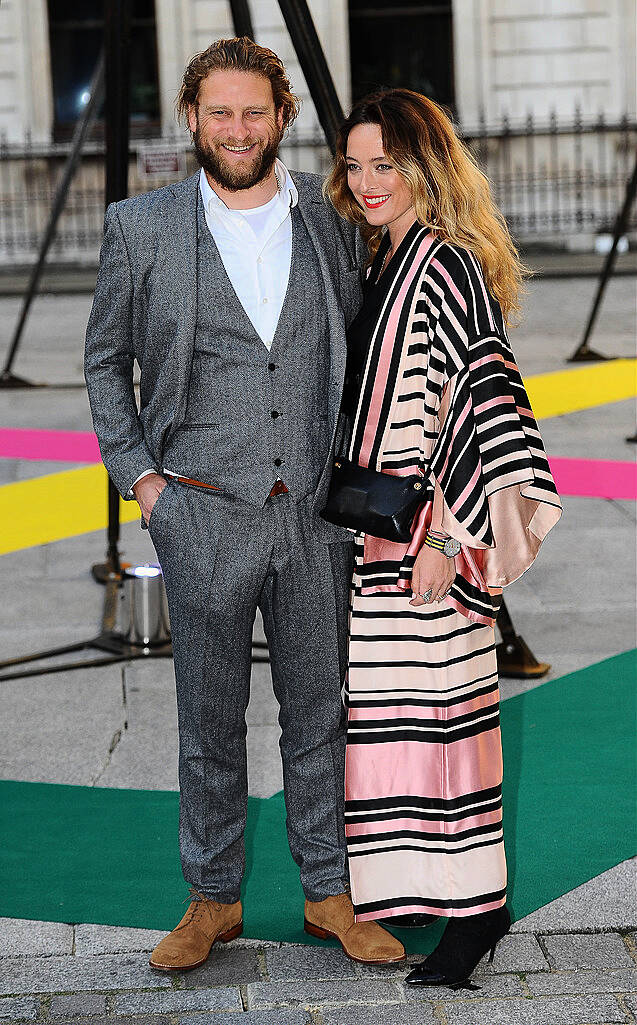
146	757
226	966
623	980
60	728
18	1008
265	772
263	707
114	939
588	1010
516	953
289	963
278	1017
147	1019
78	974
605	902
605	950
487	987
20	936
313	993
223	998
78	1005
384	1014
595	433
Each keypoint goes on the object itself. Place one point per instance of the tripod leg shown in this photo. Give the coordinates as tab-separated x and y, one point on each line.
515	659
583	353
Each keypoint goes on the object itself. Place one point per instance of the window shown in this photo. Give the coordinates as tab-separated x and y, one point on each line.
406	43
76	33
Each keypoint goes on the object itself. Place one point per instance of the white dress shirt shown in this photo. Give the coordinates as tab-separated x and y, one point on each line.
255	247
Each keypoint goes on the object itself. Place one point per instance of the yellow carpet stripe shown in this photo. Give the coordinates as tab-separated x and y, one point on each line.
567	391
35	512
61	505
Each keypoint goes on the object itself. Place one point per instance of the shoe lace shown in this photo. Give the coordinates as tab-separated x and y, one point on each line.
199	905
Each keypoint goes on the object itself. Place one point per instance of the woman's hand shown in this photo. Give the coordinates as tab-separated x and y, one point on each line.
432	570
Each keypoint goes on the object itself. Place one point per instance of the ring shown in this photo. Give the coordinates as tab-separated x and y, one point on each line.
427	595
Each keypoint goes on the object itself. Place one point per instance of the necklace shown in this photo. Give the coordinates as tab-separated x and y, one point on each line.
382	268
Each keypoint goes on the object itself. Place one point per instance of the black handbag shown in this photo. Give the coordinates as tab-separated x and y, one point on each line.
372	502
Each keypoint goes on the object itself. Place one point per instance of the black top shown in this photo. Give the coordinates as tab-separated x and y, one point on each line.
362	327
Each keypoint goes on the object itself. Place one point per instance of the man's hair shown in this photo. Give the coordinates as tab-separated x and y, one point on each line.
238	55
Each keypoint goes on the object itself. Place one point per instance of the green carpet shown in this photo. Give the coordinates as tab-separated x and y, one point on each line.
83	854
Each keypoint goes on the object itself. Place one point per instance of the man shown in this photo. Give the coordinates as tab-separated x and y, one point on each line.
232	290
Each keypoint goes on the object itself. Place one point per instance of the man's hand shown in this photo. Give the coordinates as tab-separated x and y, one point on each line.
147	491
432	570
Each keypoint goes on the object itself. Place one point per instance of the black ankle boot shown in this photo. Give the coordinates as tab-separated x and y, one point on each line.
463	944
416	921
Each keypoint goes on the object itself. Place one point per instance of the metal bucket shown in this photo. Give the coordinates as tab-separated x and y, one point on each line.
142	615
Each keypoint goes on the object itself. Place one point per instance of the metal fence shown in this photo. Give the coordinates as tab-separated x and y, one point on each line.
558	183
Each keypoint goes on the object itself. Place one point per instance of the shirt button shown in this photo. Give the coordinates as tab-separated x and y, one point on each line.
259	260
275	413
277	462
265	300
271	366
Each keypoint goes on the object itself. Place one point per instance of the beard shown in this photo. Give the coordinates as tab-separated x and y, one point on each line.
235	177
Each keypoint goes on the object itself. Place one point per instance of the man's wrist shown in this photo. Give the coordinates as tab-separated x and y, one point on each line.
146	473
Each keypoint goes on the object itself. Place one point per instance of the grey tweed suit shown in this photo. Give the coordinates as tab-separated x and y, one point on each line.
217	406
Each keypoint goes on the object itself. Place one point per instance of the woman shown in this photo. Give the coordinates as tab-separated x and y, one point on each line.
432	387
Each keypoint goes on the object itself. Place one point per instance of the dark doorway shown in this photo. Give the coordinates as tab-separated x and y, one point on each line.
76	32
407	43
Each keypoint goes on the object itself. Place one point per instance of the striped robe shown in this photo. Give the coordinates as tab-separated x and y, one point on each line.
441	395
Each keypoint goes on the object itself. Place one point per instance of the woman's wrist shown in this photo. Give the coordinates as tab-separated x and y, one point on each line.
442	543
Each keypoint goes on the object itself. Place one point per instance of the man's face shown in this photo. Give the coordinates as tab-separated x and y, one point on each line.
236	129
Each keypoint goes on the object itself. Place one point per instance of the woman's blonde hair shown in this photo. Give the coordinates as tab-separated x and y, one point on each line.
450	193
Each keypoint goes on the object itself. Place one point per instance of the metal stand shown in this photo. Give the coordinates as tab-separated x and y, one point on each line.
107	640
583	353
7	378
309	51
241	20
514	656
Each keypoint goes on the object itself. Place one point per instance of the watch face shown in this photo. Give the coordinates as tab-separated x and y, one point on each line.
452	547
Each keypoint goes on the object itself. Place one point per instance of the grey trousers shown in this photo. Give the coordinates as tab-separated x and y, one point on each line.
221	559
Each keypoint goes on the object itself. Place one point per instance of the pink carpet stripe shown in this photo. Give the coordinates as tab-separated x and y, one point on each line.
595	478
65	446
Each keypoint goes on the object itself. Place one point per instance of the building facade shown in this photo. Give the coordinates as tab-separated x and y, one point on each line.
543	90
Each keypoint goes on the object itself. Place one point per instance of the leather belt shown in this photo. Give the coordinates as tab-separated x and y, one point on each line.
194	483
279	487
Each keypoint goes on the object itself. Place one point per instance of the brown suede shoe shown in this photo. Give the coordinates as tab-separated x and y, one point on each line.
190	943
366	942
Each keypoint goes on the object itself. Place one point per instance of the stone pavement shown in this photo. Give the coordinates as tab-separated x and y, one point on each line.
87	974
573	961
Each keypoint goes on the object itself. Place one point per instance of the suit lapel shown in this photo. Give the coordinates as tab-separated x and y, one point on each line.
321	232
180	240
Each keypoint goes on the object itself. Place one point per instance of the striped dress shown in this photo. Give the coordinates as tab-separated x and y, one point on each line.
441	394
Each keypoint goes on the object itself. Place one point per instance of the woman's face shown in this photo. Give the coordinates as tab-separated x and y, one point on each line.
377	187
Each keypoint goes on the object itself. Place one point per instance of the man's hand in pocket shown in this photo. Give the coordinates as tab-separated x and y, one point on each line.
147	491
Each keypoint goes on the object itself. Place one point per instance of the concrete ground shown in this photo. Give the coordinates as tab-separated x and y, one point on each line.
573	961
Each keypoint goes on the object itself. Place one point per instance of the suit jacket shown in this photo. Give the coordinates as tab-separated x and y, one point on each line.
144	310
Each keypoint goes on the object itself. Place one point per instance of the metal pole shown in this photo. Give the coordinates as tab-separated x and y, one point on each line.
309	51
241	19
583	353
117	27
7	379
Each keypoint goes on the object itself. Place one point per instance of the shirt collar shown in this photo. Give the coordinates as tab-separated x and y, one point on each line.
288	193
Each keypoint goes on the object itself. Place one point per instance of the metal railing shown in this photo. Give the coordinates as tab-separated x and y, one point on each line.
557	182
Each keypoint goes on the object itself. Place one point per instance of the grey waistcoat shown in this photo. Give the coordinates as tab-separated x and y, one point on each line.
254	415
